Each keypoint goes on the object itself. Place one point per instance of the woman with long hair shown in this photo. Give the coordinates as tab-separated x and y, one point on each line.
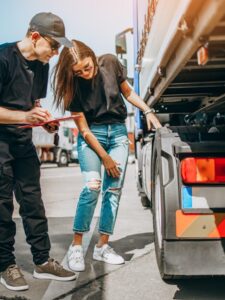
92	88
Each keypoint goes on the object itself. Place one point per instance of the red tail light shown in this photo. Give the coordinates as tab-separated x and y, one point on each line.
203	170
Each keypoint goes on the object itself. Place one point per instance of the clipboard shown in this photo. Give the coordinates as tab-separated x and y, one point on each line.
49	122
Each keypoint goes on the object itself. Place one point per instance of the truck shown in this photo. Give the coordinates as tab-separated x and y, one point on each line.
179	71
58	147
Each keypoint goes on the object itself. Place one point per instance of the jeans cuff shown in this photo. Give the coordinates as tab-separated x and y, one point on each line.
80	231
104	232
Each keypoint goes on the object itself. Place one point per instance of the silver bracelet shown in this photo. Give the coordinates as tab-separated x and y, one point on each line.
148	111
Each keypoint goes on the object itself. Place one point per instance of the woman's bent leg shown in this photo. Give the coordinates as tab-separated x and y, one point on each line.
112	187
90	165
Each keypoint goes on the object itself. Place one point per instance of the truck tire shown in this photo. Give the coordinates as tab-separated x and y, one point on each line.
159	217
145	201
63	160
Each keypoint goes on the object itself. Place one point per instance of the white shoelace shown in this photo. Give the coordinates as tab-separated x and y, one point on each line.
77	255
109	250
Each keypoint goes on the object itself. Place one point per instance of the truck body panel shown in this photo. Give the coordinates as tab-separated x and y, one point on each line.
180	72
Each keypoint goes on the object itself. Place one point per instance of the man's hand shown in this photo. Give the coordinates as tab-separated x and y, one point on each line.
37	115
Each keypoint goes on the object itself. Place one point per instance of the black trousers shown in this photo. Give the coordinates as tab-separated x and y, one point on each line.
20	172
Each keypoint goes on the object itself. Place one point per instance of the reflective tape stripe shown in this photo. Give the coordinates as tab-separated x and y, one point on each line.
202	197
219	230
186	197
183	223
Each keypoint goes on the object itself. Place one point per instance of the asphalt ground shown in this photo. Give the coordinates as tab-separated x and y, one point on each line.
137	279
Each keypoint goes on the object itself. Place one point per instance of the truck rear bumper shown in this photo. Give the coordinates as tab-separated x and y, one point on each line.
195	258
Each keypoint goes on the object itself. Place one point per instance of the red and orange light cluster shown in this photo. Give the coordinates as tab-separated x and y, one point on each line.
203	170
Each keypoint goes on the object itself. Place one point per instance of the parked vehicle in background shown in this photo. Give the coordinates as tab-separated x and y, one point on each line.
56	148
180	73
74	153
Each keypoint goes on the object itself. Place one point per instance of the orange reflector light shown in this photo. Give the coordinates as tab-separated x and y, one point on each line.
203	170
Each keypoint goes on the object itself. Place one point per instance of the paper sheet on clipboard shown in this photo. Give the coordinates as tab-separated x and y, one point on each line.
49	122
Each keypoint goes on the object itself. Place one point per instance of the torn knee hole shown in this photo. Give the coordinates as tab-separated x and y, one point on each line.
114	190
94	184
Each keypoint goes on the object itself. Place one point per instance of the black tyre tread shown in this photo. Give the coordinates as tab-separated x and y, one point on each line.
145	201
60	164
159	252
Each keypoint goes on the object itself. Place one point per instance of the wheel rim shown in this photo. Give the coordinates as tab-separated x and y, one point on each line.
63	159
158	210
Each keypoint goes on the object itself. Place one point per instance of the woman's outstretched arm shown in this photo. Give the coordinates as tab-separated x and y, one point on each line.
135	100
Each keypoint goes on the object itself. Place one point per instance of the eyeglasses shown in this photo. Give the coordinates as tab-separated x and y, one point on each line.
82	71
53	44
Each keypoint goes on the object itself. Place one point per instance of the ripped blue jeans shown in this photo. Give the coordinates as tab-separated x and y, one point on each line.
114	140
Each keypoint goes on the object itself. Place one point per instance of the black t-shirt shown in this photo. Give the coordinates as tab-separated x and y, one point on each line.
100	98
21	83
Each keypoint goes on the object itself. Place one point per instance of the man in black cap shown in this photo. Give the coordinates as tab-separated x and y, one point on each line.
23	80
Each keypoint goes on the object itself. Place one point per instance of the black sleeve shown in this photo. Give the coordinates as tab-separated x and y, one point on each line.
112	69
75	106
3	74
121	71
44	85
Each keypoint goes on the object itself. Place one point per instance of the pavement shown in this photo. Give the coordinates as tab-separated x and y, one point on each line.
137	279
132	238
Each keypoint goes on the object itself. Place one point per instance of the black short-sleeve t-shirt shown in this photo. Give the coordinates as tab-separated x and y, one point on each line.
21	83
100	98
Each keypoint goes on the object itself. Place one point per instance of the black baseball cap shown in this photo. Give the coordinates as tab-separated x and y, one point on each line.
50	25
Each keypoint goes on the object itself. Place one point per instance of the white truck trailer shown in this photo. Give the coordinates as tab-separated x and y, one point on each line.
180	72
56	149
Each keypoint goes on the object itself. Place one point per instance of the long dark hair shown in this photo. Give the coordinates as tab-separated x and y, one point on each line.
64	83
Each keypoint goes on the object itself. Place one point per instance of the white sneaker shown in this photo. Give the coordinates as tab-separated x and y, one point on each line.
75	258
108	255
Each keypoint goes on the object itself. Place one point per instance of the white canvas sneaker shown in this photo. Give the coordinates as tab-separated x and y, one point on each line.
75	258
108	255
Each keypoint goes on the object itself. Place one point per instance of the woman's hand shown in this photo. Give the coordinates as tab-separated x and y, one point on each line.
151	119
111	166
